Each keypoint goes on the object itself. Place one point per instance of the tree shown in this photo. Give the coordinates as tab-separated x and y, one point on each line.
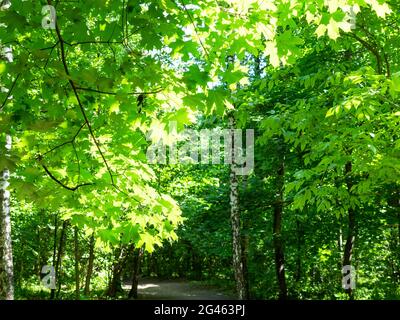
237	249
6	254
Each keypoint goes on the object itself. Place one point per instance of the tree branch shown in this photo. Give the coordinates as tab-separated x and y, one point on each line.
50	48
71	82
93	42
194	26
62	184
9	93
372	37
114	93
371	48
67	142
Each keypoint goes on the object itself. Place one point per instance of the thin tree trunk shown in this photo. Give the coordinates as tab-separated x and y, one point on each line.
115	285
300	236
238	266
137	258
277	227
42	249
196	266
394	201
52	292
398	244
90	265
59	258
6	254
39	242
340	244
76	253
398	247
6	268
245	254
246	245
351	232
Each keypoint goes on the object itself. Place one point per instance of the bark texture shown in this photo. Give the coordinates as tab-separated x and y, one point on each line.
6	254
238	266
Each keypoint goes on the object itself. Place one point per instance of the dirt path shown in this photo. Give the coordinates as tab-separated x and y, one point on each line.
150	289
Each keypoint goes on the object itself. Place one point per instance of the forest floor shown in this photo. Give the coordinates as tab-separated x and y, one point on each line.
155	289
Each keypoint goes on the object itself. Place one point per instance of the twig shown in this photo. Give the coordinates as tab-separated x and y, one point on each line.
93	42
194	26
9	93
67	142
62	184
114	93
50	48
48	59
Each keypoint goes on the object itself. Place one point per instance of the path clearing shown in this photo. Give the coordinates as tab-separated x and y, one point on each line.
155	289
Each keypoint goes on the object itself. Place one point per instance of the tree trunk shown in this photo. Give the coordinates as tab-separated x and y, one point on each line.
245	254
398	244
238	266
398	247
76	254
394	202
300	237
52	292
196	266
42	249
90	265
137	258
6	254
59	259
246	244
351	232
397	253
115	285
277	227
340	243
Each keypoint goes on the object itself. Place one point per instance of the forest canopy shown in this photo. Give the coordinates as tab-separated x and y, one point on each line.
252	145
